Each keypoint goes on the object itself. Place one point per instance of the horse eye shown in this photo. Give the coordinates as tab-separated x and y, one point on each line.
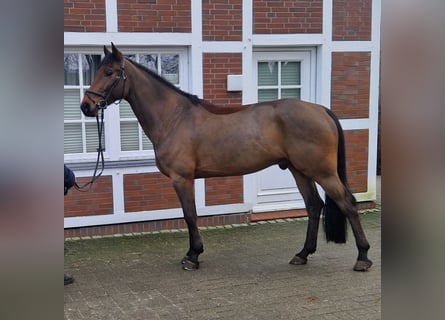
108	73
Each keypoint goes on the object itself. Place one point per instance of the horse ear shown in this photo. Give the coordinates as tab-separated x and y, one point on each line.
106	51
116	53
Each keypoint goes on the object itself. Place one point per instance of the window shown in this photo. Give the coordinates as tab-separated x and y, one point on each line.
80	133
281	75
278	80
123	136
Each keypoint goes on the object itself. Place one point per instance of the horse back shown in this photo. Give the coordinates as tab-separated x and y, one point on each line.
300	118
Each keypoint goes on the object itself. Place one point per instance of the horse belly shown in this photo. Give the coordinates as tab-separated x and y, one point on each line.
232	158
233	169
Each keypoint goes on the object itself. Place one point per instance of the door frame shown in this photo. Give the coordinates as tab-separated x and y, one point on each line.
253	192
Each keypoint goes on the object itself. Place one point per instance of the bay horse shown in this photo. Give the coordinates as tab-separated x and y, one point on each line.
193	138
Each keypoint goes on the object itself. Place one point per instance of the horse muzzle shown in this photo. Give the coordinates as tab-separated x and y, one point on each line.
88	110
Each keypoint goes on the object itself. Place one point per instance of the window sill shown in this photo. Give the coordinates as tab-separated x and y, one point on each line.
76	166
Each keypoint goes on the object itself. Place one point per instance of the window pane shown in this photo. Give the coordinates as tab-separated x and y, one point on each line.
267	94
129	136
131	57
71	63
90	62
290	73
71	109
125	110
150	61
267	73
72	138
170	67
92	140
290	93
146	143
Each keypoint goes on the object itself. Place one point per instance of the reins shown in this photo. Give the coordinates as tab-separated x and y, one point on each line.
100	153
101	105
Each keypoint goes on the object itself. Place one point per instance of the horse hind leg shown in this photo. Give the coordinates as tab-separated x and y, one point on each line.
342	199
314	205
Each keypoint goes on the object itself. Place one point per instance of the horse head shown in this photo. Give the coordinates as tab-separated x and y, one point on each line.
108	85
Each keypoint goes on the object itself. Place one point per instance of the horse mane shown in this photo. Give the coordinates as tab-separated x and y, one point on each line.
194	99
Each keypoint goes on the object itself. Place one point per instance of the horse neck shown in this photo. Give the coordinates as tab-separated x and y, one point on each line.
155	105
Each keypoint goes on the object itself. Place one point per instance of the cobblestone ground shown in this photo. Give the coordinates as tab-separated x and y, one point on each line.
244	274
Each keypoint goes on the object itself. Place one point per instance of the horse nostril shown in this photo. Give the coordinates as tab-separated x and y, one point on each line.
85	107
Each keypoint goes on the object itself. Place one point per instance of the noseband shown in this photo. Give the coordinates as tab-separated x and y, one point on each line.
103	104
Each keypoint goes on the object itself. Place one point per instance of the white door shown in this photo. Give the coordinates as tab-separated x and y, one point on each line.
281	75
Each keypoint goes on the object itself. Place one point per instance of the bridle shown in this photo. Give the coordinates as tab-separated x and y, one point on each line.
101	105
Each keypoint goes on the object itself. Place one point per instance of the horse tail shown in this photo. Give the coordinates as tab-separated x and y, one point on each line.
334	218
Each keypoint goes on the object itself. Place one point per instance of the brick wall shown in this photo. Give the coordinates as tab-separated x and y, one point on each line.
357	159
216	68
350	84
222	20
224	190
84	15
351	20
154	15
151	226
288	16
97	200
149	191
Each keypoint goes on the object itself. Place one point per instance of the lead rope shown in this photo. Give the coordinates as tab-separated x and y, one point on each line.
100	154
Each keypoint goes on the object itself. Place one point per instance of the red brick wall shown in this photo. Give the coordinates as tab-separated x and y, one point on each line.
222	20
97	200
154	15
224	190
288	16
150	226
351	20
216	68
149	191
357	159
350	84
84	15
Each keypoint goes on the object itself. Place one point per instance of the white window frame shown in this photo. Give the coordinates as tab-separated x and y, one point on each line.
307	59
111	117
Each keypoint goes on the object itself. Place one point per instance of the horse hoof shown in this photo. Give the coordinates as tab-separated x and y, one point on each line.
298	260
362	265
189	265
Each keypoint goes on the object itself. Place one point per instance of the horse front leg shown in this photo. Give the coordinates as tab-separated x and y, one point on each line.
185	190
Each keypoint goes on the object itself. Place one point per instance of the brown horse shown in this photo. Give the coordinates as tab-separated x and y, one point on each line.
195	139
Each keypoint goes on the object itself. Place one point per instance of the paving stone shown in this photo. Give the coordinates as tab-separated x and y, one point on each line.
244	274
